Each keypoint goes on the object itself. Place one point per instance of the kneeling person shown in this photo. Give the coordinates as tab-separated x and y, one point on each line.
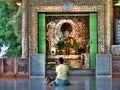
61	74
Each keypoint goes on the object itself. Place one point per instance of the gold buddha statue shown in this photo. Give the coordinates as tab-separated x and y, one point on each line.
66	43
69	43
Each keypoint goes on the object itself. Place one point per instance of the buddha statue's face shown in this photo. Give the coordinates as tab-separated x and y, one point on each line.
66	34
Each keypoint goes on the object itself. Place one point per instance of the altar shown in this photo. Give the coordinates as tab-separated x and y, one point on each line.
74	62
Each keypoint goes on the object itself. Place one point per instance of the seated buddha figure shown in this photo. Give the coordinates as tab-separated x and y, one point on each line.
66	29
69	42
67	39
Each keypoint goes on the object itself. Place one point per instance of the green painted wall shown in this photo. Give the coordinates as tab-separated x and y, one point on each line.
42	34
93	39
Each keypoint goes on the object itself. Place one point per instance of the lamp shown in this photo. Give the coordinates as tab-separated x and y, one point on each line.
53	50
118	3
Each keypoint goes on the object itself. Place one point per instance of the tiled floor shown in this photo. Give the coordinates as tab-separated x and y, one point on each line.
77	83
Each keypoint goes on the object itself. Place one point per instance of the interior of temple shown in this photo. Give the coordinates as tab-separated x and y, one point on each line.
74	30
85	33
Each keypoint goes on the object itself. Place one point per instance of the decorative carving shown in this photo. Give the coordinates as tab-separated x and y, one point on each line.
60	2
33	26
67	6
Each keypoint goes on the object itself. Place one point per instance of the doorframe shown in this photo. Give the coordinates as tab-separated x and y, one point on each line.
93	55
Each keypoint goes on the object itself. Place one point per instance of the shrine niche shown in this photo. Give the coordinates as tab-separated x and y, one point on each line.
69	35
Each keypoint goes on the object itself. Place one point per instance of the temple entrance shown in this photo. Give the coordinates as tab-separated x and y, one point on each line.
69	35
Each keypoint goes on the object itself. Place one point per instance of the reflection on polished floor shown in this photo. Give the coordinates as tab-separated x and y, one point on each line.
77	83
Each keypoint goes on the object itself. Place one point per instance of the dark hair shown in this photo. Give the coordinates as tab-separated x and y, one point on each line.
61	60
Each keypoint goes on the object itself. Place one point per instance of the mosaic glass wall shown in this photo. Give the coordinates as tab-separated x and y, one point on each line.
78	32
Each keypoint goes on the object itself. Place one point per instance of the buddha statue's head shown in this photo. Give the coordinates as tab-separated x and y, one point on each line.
66	29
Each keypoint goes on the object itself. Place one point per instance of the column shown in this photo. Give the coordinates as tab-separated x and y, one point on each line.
24	28
108	25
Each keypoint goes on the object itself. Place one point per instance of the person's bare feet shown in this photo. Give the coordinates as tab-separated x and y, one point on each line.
51	84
